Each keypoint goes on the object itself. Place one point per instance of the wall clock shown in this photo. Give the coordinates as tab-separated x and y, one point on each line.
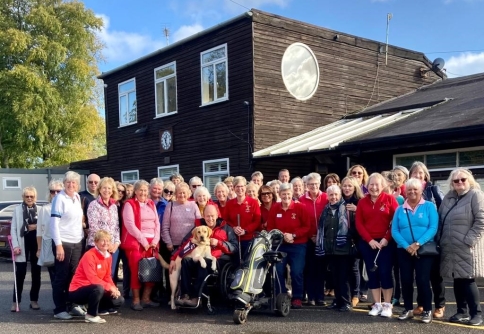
166	140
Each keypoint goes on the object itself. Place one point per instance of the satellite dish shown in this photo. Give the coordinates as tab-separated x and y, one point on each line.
438	65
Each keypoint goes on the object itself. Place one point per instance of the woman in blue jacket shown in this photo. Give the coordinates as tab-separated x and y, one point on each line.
414	224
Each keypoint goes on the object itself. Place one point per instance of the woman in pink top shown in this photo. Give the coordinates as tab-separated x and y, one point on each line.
139	238
179	217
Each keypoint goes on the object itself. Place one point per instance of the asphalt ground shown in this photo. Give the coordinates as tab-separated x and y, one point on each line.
311	319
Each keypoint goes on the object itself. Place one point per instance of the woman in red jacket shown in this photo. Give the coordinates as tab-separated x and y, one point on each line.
92	283
374	215
292	219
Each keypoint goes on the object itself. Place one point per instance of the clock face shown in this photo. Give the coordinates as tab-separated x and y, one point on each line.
166	140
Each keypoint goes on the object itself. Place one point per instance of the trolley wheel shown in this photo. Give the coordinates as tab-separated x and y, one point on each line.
240	316
283	305
211	311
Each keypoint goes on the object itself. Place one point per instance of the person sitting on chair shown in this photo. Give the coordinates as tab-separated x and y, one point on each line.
222	241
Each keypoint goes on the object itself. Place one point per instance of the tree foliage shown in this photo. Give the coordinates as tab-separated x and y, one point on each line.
48	62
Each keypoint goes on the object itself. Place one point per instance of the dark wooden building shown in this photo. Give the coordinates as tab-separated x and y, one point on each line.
203	105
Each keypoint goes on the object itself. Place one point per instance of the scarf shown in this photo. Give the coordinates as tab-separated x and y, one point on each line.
29	218
343	226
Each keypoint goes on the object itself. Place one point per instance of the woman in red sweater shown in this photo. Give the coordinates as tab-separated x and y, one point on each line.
292	219
374	215
92	283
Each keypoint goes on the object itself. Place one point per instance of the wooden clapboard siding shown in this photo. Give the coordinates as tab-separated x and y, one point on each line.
353	75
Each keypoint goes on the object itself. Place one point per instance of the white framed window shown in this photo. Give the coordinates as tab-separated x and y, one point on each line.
214	68
11	183
128	113
165	172
472	157
130	176
165	88
215	171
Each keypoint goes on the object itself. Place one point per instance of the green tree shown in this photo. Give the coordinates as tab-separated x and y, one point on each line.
48	63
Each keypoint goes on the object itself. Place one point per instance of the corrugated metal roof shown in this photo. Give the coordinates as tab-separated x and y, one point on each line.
331	135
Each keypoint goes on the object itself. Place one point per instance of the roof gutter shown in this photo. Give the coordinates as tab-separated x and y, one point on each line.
247	14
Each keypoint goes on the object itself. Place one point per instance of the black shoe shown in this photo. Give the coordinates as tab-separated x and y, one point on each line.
332	306
476	320
406	314
459	317
321	303
346	308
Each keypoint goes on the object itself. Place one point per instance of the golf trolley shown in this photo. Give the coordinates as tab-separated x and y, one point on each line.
248	285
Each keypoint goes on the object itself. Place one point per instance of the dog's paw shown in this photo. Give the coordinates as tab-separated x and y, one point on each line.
203	264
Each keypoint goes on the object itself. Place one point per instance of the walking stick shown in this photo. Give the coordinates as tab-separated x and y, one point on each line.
14	275
240	250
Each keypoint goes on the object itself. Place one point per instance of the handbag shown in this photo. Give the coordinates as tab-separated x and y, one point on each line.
149	269
46	256
430	248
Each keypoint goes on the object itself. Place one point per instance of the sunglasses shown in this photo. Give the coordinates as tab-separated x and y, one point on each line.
168	192
357	173
53	192
196	185
265	194
93	182
463	180
121	191
29	196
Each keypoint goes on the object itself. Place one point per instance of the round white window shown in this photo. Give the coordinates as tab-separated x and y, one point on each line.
300	71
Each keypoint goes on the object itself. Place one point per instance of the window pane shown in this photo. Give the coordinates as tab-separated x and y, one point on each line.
171	86
444	160
132	107
123	110
409	160
165	172
221	80
131	176
165	71
213	55
160	98
471	158
207	84
211	180
126	87
216	166
12	183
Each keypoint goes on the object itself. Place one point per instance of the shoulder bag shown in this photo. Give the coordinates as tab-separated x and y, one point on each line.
430	248
46	256
149	269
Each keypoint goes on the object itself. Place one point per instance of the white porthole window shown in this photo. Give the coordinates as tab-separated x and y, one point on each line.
300	71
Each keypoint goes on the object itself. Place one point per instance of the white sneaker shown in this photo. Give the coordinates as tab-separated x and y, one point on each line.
94	320
376	309
386	310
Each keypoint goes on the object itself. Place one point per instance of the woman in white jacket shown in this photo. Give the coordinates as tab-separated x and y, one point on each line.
43	225
24	243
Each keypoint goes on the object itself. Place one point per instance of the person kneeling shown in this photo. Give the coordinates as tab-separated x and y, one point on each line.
92	283
223	241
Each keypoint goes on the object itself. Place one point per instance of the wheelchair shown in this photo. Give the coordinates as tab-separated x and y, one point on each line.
216	286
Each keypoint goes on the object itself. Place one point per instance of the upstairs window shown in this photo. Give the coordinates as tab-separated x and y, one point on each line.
127	103
165	87
214	75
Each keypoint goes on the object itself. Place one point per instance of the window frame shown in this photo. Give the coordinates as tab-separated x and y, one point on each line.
7	178
457	160
213	63
166	167
164	79
129	171
127	97
205	173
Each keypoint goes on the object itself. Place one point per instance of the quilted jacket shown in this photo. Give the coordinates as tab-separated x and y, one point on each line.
461	242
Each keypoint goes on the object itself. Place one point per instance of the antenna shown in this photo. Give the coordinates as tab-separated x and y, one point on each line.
166	32
389	17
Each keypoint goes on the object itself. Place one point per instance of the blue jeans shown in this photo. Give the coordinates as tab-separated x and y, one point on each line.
296	255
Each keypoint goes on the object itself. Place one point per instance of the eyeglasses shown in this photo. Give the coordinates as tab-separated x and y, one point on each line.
266	194
121	191
356	173
93	182
313	184
196	185
29	196
463	180
53	192
168	192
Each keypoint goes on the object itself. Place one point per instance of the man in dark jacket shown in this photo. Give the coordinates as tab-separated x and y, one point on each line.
223	241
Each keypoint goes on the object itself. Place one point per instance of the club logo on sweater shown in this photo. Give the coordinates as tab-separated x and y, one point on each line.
293	216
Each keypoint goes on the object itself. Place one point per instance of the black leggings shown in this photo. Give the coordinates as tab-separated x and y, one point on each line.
467	294
96	298
30	243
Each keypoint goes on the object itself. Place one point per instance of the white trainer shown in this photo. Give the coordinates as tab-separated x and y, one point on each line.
386	310
376	309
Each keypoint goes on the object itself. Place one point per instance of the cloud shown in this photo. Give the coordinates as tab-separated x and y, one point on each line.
465	64
122	46
185	31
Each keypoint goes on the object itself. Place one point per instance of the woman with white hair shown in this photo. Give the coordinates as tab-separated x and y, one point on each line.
202	198
298	187
461	227
67	235
24	242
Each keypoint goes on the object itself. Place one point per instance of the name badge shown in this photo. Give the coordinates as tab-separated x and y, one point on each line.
188	209
279	215
98	266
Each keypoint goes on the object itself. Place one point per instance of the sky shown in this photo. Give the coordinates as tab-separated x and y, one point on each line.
448	29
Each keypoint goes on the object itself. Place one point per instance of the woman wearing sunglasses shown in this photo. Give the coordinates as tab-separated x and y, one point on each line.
168	191
24	242
361	175
461	223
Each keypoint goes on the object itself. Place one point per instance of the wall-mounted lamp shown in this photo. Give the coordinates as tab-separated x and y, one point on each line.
141	130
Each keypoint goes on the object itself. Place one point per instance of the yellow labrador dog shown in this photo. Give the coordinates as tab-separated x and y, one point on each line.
200	245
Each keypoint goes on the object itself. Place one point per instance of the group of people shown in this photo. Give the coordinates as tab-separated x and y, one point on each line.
377	232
